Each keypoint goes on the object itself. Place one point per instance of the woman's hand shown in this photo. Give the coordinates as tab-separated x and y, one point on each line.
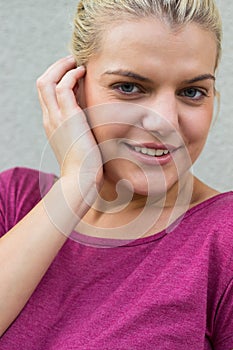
39	236
66	126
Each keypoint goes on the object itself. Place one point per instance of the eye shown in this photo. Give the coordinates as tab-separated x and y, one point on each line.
127	88
193	93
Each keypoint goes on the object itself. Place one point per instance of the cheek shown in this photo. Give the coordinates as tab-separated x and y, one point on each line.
196	126
112	120
110	132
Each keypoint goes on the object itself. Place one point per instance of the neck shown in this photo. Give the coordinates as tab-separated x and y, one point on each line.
120	197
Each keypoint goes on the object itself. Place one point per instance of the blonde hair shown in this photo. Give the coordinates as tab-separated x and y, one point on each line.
94	17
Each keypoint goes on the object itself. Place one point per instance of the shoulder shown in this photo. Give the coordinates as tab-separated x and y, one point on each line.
20	190
210	203
215	211
210	224
20	177
215	216
217	224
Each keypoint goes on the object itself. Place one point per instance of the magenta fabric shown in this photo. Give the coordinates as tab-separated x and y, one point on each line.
167	291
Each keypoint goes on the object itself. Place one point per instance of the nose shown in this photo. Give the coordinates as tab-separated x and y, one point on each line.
161	115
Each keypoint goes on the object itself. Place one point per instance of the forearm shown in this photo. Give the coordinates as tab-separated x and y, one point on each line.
28	249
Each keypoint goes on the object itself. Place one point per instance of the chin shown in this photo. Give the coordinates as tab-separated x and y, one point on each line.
154	191
147	183
149	187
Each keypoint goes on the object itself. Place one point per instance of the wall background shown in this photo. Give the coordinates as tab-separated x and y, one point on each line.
34	35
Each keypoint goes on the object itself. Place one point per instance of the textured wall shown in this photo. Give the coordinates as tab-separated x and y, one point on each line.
34	35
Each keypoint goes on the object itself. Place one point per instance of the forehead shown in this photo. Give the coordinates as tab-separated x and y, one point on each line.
149	42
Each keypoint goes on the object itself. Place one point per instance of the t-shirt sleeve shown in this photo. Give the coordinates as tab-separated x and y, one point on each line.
20	190
224	321
222	275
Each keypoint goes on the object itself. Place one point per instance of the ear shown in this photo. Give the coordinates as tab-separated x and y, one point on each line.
80	93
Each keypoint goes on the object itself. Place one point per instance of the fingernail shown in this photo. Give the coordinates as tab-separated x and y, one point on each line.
81	67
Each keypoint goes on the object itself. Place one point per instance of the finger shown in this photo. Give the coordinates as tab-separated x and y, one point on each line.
46	84
65	91
46	120
42	104
57	70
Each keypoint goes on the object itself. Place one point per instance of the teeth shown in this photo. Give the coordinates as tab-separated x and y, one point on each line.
144	150
159	152
151	151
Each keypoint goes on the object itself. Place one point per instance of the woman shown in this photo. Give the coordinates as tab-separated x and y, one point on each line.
125	125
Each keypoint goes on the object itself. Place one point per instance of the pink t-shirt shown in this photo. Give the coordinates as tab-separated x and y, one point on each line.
167	291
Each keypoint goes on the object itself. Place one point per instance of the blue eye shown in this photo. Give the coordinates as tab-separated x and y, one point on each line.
193	93
127	88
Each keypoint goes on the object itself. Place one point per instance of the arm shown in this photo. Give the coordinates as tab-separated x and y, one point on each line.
28	249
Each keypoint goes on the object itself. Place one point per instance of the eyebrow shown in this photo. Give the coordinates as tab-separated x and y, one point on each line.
200	78
144	79
129	74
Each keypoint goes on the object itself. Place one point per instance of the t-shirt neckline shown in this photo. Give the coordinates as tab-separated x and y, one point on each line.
172	228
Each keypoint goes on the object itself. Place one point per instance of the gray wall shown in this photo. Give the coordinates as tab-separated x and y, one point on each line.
35	34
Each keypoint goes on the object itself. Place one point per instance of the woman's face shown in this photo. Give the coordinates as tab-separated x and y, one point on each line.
154	88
